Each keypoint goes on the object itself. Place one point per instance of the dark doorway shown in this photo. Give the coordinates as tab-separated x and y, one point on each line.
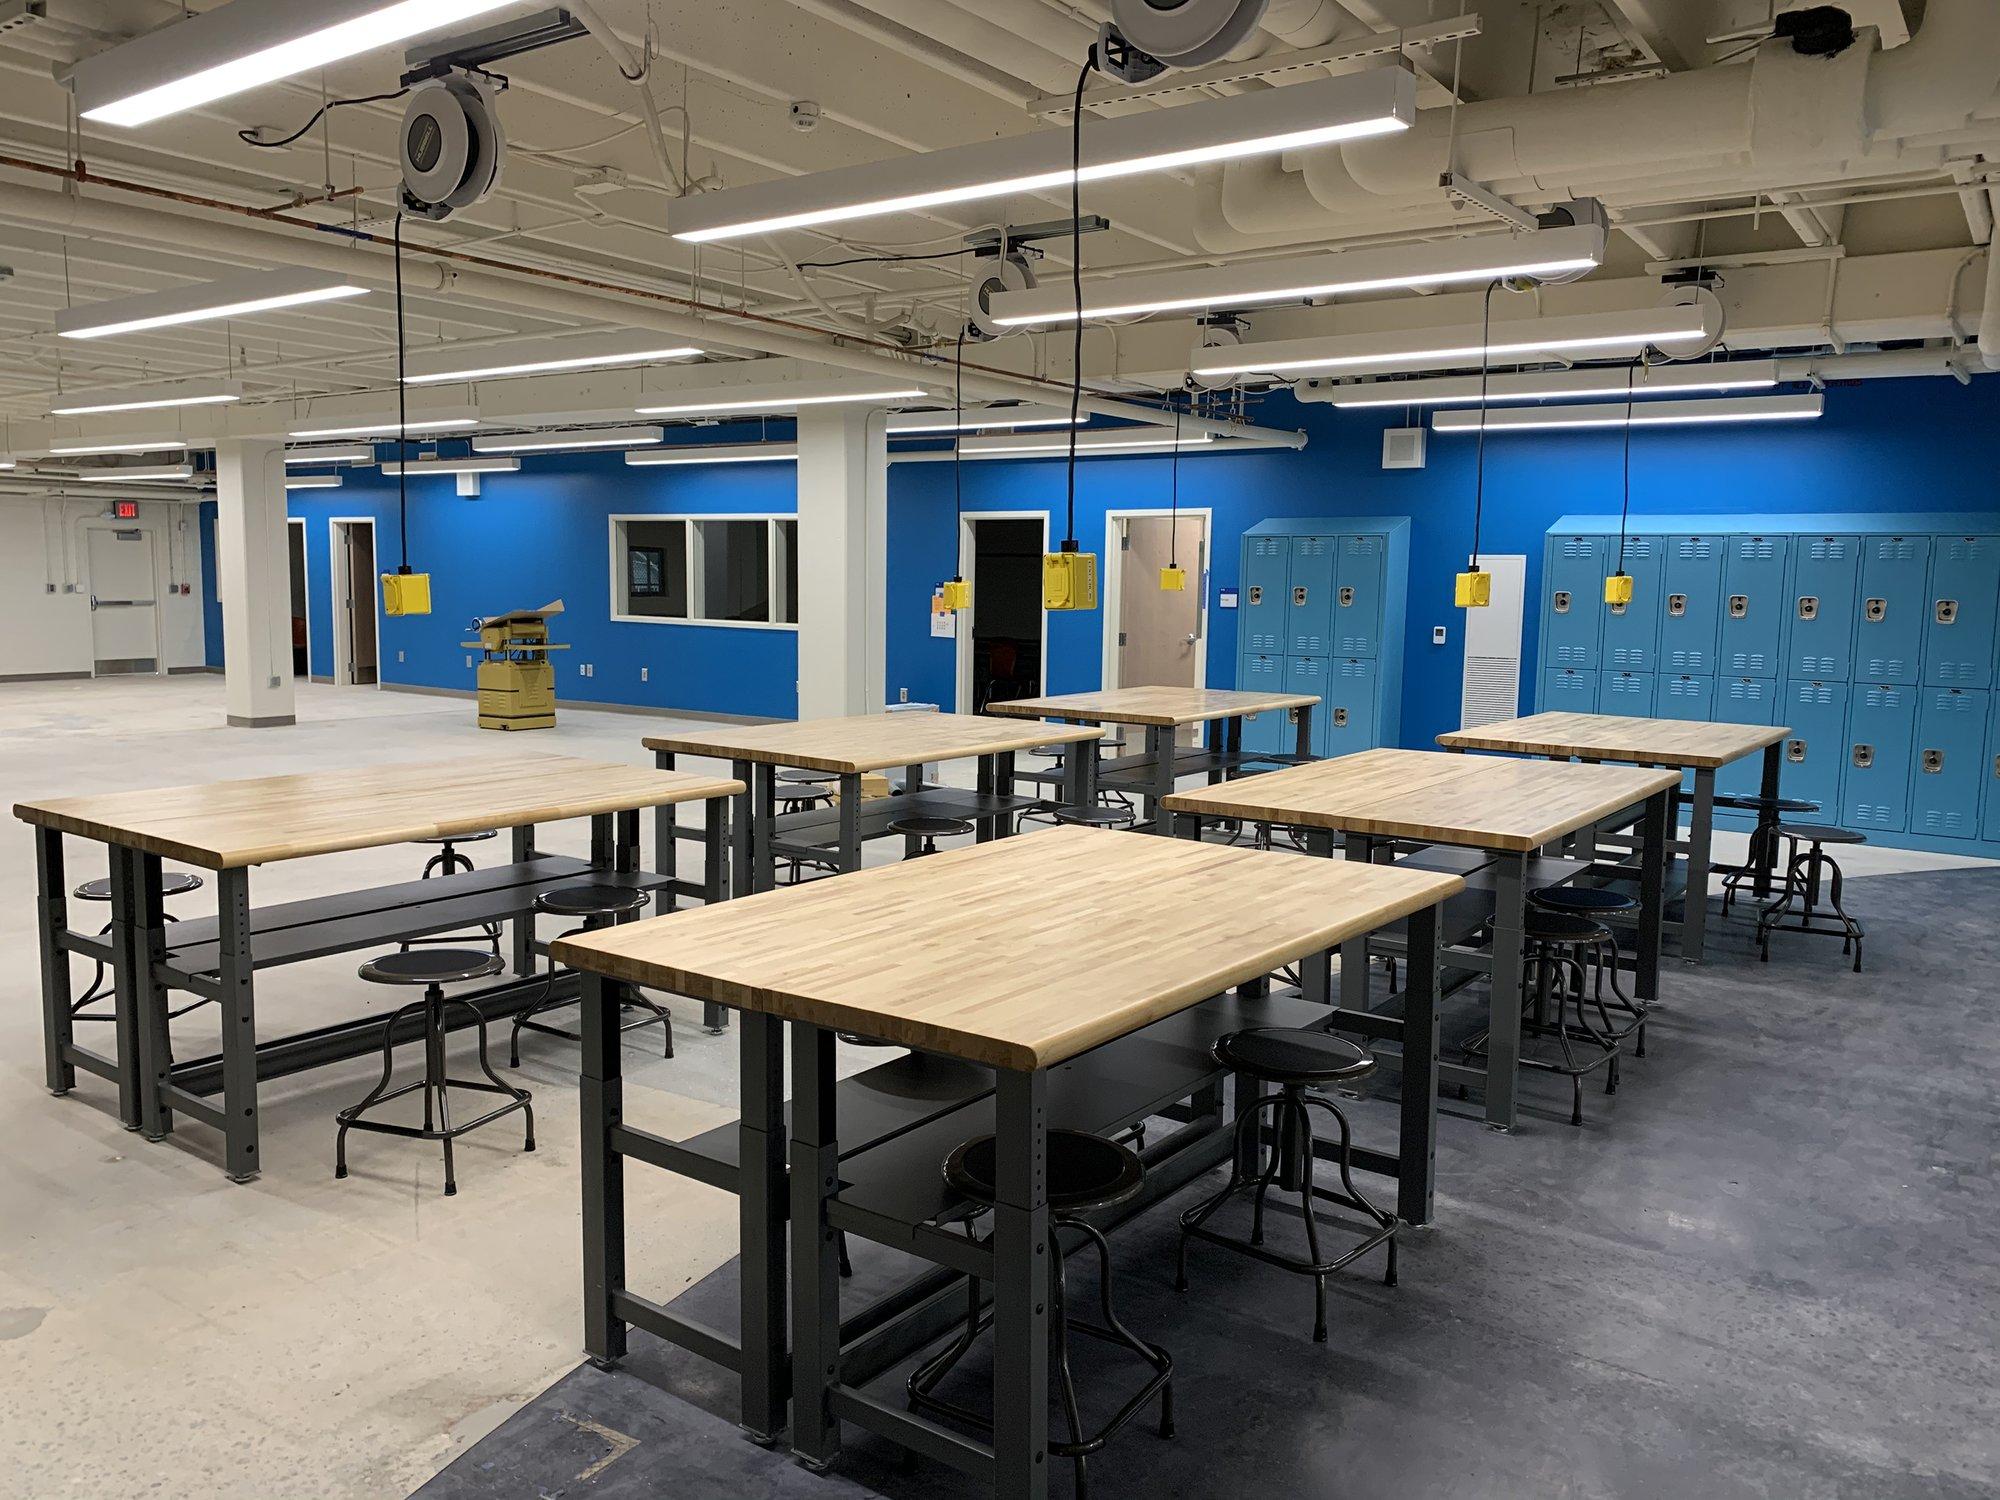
1006	574
301	653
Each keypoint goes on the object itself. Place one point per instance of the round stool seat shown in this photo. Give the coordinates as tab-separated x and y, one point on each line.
591	901
1757	803
799	777
1094	817
1284	1054
792	795
1821	833
172	883
931	828
431	966
1583	900
477	836
1084	1171
1542	926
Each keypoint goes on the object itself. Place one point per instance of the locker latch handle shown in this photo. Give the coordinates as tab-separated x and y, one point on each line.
1340	718
1346	597
1947	611
1996	767
1809	607
1299	594
1877	610
1562	601
1739	606
1256	593
1795	752
1864	757
1677	605
1933	762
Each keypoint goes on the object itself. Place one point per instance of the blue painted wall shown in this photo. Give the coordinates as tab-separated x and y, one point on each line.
1915	445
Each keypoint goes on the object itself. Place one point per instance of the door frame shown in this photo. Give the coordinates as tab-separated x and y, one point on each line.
305	555
342	588
1114	584
962	628
151	532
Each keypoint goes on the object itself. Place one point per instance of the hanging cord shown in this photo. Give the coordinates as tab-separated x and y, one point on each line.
1625	515
1076	282
402	409
958	461
1485	370
1174	524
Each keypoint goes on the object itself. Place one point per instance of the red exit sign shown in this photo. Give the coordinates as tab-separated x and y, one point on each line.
124	510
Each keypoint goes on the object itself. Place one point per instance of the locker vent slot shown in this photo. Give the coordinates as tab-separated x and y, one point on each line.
1933	762
1864	756
1795	752
1562	601
1947	611
1877	610
1677	605
1739	606
1756	548
1809	607
1346	597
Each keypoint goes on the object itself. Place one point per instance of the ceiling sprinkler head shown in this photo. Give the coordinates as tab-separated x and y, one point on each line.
805	116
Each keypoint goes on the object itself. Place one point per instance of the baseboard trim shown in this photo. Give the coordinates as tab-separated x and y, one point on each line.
271	721
641	709
46	676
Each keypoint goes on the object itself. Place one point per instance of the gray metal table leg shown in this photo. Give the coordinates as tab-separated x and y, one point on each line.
601	1098
1655	833
764	827
126	980
1021	1288
666	843
1416	1148
1768	819
984	830
1163	745
239	1025
149	947
1503	1041
1303	745
760	1186
1354	952
850	822
1701	834
1003	777
815	1162
52	922
742	826
524	925
715	888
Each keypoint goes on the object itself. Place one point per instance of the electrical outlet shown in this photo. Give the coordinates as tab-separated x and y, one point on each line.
1437	635
399	657
468	661
903	696
643	677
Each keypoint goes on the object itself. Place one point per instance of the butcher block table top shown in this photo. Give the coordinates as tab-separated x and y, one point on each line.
1015	954
1163	706
868	742
226	825
1429	797
1691	744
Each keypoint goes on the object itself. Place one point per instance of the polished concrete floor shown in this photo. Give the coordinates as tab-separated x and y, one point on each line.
1768	1266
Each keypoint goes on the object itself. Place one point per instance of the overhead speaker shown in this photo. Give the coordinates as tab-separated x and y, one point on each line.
1008	273
1187	33
452	147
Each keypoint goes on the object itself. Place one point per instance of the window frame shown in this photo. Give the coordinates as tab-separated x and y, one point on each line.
777	545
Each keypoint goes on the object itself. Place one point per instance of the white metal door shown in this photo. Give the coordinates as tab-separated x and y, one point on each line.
124	612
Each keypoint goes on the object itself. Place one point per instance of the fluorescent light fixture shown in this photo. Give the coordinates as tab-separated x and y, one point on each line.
7	463
235	48
418	466
1443	348
1151	441
389	428
1541	385
559	442
541	356
342	453
916	423
1545	252
150	398
715	453
156	445
1652	414
779	403
1379	102
148	474
238	296
313	482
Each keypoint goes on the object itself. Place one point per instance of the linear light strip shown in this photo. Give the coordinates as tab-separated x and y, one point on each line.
240	296
1003	449
780	403
453	466
314	482
388	429
914	424
561	442
346	453
496	366
157	445
715	453
137	474
1542	385
149	398
1654	414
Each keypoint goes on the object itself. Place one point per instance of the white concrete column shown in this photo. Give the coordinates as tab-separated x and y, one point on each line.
843	560
254	579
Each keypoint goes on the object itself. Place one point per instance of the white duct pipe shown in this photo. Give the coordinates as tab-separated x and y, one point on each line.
1989	314
1942	76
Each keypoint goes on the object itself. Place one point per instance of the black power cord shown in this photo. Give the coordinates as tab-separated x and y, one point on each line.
958	462
1485	370
402	409
1625	514
1076	283
249	137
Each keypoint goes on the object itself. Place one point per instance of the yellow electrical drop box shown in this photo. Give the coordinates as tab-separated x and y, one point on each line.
1618	589
1173	580
1475	590
956	595
517	681
1069	580
406	593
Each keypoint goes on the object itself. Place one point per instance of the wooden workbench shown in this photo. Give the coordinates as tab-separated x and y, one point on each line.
1509	808
1066	961
228	827
1696	747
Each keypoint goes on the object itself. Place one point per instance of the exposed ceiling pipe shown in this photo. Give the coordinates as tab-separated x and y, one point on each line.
1989	315
1942	76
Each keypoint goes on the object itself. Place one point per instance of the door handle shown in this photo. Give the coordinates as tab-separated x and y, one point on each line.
1739	606
1795	752
1299	594
1877	610
1933	762
1947	611
1864	757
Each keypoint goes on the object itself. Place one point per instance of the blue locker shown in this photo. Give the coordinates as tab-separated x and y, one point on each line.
1881	719
1753	604
1691	606
1568	691
1265	606
1816	750
1991	829
1309	607
1826	577
1357	604
1349	722
1964	604
1950	763
1632	631
1629	695
1889	639
1573	609
1308	674
1745	700
1264	673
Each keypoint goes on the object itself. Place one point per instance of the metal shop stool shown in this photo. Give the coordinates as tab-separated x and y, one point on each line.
434	968
1558	948
1085	1173
802	791
597	906
1299	1062
930	830
1094	817
450	861
1763	842
1808	873
1599	902
172	883
800	777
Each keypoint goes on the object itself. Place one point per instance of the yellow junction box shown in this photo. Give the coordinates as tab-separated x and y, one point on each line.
956	595
1618	589
1069	580
517	681
406	593
1474	591
1173	580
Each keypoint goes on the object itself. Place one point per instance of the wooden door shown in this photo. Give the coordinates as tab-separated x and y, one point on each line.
1160	630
